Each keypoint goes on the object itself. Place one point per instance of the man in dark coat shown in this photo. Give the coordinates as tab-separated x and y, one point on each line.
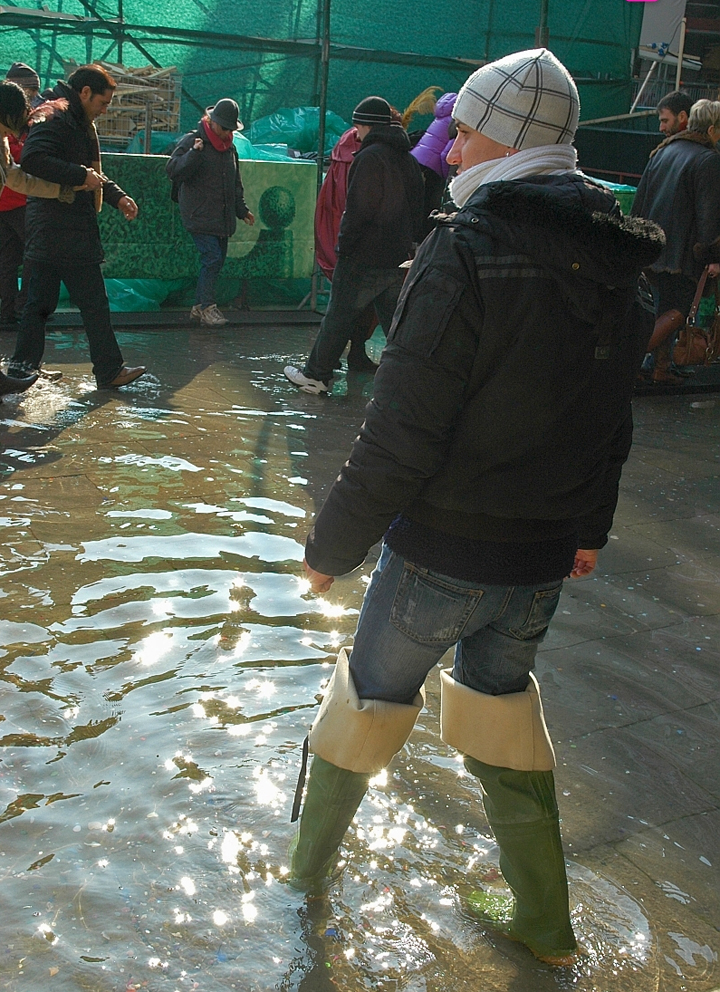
62	240
489	459
205	172
383	216
680	191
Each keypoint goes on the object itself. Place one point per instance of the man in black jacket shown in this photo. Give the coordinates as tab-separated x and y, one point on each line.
382	218
489	460
205	171
680	191
62	240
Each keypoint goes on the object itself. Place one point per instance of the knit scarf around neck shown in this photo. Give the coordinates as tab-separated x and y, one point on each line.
545	160
219	143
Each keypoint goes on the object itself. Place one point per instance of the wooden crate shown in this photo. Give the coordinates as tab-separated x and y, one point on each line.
143	94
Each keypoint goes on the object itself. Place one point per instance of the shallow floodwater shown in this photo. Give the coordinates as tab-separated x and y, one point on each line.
160	663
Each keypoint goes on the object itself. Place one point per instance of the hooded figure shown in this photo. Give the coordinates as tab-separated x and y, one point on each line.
488	463
431	152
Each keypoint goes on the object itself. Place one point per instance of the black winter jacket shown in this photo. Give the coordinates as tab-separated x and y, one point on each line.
383	211
502	406
57	150
680	191
211	193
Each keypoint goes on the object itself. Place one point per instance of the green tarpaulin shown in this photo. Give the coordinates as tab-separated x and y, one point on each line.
267	55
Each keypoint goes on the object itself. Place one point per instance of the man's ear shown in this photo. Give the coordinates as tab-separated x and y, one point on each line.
682	117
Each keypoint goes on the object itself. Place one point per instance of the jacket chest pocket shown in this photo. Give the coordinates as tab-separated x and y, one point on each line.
434	295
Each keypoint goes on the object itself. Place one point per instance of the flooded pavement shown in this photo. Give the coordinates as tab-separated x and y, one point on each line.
160	660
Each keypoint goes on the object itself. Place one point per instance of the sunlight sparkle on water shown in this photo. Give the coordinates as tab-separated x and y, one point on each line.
230	848
331	610
266	791
248	910
153	647
239	730
187	885
380	780
220	918
242	643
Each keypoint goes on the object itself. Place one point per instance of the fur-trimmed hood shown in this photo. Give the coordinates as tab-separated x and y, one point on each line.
569	225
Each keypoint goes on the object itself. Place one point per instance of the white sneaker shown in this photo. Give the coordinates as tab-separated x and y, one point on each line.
195	313
212	317
306	385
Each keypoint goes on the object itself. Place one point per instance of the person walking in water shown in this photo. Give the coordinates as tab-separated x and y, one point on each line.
488	463
383	216
205	172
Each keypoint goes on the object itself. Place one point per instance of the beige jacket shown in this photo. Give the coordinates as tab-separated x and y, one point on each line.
13	176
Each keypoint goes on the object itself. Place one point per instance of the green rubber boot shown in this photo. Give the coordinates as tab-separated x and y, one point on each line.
332	798
523	813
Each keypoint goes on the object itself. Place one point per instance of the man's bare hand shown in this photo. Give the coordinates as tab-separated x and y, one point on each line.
714	270
93	179
128	208
318	581
249	218
198	145
585	562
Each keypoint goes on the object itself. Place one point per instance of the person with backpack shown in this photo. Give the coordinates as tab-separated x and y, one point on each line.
205	173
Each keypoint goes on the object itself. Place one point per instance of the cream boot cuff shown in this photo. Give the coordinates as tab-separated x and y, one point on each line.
506	731
360	735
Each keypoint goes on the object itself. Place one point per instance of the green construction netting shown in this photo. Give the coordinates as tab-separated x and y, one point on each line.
267	55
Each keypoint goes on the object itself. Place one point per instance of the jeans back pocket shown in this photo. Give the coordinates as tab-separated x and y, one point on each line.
431	610
542	609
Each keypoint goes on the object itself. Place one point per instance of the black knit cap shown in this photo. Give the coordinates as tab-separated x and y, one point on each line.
23	75
371	111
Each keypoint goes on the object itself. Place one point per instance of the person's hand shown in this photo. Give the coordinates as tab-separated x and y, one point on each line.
585	562
249	218
714	270
198	145
128	208
93	180
318	581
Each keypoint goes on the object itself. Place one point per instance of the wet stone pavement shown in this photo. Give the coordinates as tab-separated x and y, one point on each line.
160	662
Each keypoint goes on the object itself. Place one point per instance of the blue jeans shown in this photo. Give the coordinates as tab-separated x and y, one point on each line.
212	258
410	617
355	287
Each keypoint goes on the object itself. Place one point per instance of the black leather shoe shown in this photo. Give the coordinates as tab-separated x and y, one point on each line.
126	375
9	385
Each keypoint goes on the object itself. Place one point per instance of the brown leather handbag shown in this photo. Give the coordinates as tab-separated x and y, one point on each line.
694	345
714	350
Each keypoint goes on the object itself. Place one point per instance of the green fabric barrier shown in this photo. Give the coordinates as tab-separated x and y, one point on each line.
267	55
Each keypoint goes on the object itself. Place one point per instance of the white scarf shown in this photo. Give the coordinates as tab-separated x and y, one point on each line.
543	160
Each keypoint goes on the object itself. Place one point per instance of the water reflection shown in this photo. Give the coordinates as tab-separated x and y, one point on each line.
160	660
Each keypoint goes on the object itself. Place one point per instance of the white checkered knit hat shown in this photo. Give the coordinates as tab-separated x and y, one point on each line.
524	100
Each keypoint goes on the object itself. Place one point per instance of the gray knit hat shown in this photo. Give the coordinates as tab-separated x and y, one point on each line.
523	100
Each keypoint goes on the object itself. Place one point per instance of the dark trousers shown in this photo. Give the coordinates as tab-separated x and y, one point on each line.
12	246
355	286
86	287
212	258
675	291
